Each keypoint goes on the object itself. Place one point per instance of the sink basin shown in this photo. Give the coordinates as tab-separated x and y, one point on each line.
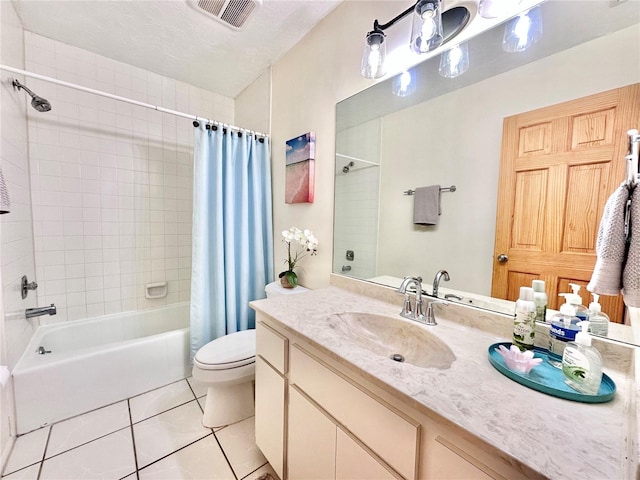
393	338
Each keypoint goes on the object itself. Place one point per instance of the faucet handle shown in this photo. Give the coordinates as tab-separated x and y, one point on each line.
430	316
407	310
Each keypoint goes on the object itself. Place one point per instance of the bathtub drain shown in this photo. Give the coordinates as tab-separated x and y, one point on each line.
42	351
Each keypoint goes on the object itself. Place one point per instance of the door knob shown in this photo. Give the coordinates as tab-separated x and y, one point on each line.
502	258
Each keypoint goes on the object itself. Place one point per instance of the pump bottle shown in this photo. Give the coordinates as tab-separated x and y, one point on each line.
582	312
582	364
524	322
563	329
540	299
598	320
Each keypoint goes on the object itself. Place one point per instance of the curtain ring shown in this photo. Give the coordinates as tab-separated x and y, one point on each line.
196	124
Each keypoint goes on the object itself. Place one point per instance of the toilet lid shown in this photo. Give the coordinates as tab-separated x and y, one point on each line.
231	351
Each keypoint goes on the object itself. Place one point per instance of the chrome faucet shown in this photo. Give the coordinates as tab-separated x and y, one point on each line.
414	313
436	281
431	317
38	311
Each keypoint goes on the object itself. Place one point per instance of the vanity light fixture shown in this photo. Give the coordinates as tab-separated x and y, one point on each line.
454	62
522	31
431	27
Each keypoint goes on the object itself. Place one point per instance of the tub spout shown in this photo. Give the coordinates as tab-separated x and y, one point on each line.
38	311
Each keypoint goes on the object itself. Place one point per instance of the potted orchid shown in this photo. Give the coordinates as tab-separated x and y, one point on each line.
300	238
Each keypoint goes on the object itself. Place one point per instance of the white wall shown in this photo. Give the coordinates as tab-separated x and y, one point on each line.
322	69
16	242
111	182
253	105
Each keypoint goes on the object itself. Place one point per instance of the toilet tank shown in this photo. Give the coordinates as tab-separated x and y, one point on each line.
275	289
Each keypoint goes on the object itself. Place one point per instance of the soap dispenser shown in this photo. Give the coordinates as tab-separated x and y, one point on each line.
582	312
540	299
582	364
563	329
598	320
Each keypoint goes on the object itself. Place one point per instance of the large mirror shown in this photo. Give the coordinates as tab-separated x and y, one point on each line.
448	131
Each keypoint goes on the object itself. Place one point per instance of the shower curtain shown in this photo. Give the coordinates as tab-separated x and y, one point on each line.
232	242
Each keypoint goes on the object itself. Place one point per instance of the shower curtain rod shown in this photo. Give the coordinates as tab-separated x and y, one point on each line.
128	100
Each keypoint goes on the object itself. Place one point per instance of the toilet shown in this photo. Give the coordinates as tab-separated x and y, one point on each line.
227	366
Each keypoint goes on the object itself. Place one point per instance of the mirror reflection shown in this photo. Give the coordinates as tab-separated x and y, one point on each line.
426	129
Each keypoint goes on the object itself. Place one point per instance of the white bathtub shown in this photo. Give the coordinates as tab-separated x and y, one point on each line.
99	361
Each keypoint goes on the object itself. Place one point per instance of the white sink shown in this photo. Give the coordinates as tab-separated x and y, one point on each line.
388	336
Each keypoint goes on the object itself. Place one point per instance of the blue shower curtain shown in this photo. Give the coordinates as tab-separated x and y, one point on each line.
232	242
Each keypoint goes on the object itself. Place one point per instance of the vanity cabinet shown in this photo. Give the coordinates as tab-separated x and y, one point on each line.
271	390
317	419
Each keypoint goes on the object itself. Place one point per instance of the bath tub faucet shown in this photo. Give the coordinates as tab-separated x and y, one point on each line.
38	311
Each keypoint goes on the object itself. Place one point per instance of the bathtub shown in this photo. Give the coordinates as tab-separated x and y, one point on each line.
98	361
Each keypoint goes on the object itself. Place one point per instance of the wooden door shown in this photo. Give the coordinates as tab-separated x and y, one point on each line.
559	164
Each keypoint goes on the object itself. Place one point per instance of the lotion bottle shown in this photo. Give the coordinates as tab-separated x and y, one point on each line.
540	299
598	321
524	322
582	364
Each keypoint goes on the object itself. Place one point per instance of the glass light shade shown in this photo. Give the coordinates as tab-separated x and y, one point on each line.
522	31
373	57
454	62
495	8
426	29
404	84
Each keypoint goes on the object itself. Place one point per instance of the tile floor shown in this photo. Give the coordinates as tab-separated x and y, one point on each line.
156	435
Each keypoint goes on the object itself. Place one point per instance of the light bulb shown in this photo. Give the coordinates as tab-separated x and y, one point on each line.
522	31
403	84
373	57
426	29
454	62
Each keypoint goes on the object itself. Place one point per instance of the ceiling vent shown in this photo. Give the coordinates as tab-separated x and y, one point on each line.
233	13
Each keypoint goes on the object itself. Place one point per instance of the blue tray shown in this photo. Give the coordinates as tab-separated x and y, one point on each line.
548	379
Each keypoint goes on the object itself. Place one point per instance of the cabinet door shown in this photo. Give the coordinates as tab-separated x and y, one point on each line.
311	444
354	463
270	414
448	462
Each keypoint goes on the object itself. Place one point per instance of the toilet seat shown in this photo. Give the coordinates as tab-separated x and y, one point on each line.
231	351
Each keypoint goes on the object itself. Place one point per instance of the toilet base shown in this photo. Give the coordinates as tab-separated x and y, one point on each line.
227	404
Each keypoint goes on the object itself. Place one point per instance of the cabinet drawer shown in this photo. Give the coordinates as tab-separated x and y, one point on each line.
272	346
391	435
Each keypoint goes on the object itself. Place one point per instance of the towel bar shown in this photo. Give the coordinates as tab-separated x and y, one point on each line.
452	188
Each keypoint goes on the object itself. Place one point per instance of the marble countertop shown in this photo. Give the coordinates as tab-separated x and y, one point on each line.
555	437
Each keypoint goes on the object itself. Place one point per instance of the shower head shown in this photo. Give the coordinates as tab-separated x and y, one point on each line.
39	103
347	167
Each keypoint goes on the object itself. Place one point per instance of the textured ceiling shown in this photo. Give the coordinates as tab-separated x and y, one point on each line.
171	38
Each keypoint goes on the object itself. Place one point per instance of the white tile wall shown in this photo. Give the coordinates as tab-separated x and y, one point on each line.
356	199
16	245
111	182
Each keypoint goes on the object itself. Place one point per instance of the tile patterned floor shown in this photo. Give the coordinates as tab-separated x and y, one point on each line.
156	435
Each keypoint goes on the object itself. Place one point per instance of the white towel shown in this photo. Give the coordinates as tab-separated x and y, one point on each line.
631	273
426	205
610	245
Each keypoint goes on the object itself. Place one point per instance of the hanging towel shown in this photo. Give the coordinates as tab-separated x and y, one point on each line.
5	203
610	245
631	273
426	205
